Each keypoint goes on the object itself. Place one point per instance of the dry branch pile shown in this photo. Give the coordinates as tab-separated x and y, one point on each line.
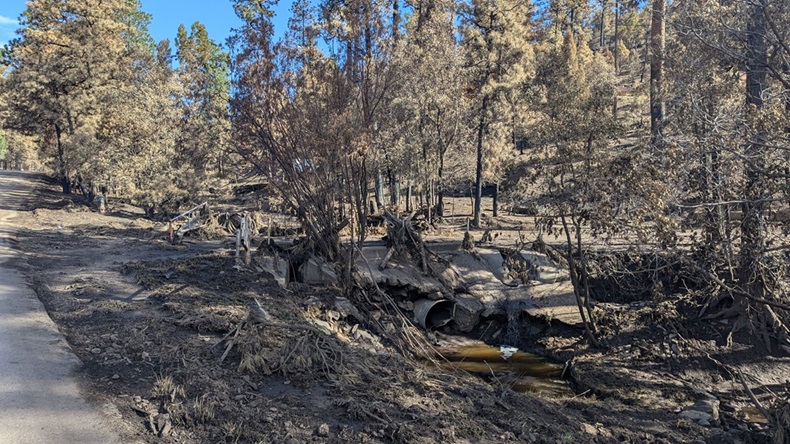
405	240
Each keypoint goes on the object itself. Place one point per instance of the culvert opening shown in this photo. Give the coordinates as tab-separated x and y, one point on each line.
432	314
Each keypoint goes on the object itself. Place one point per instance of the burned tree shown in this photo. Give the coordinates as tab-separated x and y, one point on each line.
307	121
747	270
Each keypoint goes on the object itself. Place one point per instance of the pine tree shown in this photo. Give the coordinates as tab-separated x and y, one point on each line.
203	74
70	60
738	121
499	63
428	103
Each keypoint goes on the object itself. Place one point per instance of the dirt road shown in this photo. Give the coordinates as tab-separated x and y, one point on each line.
40	398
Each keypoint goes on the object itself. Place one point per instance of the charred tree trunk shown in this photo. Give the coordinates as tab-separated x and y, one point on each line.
576	280
395	21
616	52
478	194
601	40
657	44
753	219
714	226
394	180
379	194
65	180
440	186
495	209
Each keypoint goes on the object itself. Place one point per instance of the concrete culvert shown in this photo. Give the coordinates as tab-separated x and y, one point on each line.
433	313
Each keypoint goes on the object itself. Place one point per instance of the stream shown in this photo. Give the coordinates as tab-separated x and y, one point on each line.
507	366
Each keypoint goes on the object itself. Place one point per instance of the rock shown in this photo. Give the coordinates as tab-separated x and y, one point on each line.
435	296
323	430
703	412
116	376
96	351
709	406
346	308
406	305
298	287
161	424
589	429
360	334
323	325
467	312
165	429
701	418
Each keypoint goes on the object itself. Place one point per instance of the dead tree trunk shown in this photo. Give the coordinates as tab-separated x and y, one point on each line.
379	194
601	40
65	180
753	226
478	194
577	282
394	179
616	52
657	44
440	187
495	209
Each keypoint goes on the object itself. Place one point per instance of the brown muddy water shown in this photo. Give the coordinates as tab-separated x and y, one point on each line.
752	414
508	367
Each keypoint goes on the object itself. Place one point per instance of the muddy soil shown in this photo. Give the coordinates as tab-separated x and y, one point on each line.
193	346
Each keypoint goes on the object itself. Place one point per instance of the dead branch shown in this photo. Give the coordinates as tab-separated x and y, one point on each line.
416	341
739	292
387	258
755	401
404	238
262	317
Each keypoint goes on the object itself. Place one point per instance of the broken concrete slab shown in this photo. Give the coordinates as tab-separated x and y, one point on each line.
467	312
553	301
473	270
544	269
317	272
536	259
399	273
493	258
477	284
277	267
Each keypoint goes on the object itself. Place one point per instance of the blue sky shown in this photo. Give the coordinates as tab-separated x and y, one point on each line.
217	15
